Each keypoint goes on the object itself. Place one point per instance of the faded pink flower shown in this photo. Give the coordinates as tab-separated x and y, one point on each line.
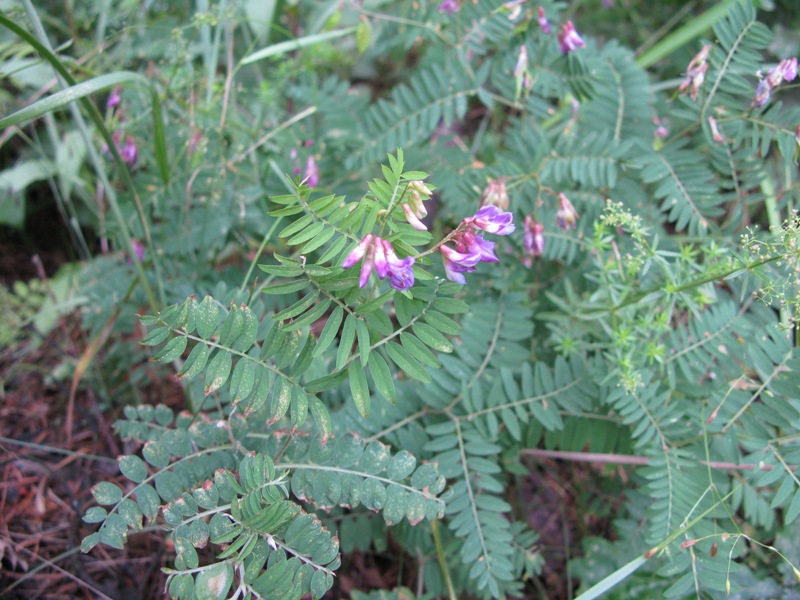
696	72
495	194
544	24
311	174
566	215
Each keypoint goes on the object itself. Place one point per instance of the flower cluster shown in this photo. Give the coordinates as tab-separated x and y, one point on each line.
379	253
786	70
470	247
696	72
414	209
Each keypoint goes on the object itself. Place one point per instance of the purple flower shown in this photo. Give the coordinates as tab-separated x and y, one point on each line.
785	70
566	215
450	7
129	152
378	253
470	249
401	273
114	98
569	38
763	92
311	176
788	68
544	24
491	220
138	249
457	263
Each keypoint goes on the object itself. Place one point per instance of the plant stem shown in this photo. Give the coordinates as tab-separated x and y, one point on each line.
437	540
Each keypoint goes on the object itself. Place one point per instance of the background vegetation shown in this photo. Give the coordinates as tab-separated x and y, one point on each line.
196	395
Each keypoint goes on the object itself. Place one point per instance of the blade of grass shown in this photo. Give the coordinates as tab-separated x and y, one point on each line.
43	48
693	29
159	138
289	46
66	96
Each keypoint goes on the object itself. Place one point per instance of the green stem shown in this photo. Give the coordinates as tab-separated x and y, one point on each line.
692	284
258	253
437	540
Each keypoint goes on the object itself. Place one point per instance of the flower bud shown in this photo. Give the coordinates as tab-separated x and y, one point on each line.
413	220
420	186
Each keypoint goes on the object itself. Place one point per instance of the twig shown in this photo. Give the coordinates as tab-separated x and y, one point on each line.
627	459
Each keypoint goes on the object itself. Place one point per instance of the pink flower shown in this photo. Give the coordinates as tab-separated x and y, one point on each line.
311	176
114	98
661	131
138	249
358	252
544	24
491	220
378	253
569	38
129	152
566	215
450	7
